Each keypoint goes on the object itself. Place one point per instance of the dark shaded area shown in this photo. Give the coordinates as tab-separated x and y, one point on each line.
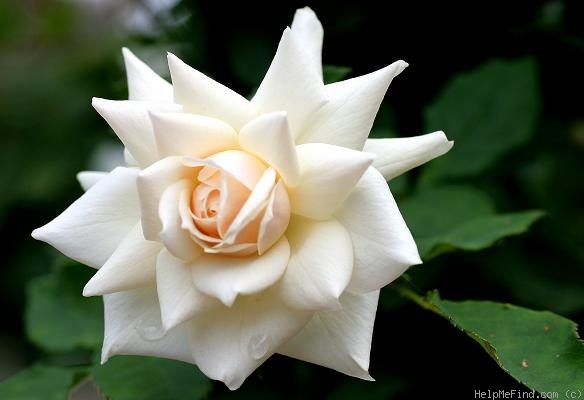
57	55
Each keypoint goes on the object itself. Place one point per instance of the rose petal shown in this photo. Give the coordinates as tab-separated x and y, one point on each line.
129	159
187	222
130	120
242	166
89	178
132	265
200	94
276	218
191	135
327	176
228	345
233	196
383	245
179	299
269	138
340	339
255	203
320	266
237	249
133	326
152	182
111	204
398	155
291	84
233	193
227	277
347	118
175	238
308	30
143	83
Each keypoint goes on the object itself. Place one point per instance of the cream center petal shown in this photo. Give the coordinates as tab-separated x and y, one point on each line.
225	213
205	201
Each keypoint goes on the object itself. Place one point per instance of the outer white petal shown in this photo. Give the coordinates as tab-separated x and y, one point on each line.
191	135
226	277
228	345
398	155
130	120
308	29
143	83
175	238
347	118
383	245
200	94
151	183
269	138
131	266
321	262
179	299
341	339
133	327
94	225
291	84
327	175
89	178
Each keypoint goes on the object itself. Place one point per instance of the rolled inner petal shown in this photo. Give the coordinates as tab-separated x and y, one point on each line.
229	203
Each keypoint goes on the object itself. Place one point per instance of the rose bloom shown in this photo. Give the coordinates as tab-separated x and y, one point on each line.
243	228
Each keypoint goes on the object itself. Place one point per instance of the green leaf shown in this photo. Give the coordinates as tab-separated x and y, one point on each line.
482	232
38	382
538	348
332	73
146	378
457	217
58	317
486	112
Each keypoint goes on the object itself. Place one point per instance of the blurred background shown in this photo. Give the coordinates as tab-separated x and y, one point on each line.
503	79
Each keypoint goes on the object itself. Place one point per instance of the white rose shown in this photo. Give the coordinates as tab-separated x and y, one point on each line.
245	228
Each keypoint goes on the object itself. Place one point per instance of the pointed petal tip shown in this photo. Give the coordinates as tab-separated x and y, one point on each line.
364	365
368	377
233	386
99	103
105	355
411	257
304	10
396	68
168	323
173	62
229	299
37	234
403	64
90	289
392	70
446	144
87	290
